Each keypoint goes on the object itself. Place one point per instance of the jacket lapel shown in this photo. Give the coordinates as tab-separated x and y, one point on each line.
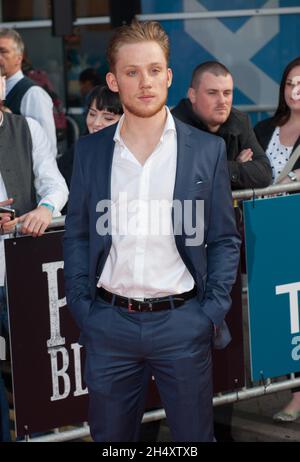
183	173
184	152
104	164
103	169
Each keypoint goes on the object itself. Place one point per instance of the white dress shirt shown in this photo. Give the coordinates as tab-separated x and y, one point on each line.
49	184
37	104
144	261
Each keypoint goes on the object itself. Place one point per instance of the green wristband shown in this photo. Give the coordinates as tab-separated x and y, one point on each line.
49	206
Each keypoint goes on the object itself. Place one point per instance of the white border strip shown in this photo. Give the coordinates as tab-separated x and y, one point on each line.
95	20
48	23
218	14
27	24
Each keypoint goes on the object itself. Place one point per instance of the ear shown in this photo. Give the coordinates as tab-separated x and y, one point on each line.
170	77
112	82
192	95
20	58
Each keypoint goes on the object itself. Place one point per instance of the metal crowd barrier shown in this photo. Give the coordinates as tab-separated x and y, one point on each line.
59	222
159	414
247	392
261	192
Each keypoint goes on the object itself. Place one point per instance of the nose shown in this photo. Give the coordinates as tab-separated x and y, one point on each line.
145	80
97	127
98	123
222	98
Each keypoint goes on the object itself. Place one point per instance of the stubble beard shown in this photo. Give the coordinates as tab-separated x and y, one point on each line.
146	112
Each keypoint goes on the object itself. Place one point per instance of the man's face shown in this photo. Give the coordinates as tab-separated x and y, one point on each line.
212	99
10	58
141	77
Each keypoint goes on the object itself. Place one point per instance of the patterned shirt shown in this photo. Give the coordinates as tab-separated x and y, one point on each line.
278	154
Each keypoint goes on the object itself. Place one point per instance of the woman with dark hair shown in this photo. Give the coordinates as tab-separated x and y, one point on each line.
104	109
280	135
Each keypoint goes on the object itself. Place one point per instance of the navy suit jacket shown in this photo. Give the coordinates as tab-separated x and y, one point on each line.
202	173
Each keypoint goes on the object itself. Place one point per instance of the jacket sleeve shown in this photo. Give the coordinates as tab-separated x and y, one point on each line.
76	247
223	245
256	173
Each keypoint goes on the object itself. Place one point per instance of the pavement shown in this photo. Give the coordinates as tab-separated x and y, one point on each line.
251	422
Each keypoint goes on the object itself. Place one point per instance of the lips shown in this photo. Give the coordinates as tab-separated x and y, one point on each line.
146	97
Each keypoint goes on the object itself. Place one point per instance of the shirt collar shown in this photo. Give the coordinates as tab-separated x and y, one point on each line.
169	127
12	80
117	136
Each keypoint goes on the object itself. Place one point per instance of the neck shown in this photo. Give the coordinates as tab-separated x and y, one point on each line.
210	128
11	74
142	135
139	127
294	118
213	128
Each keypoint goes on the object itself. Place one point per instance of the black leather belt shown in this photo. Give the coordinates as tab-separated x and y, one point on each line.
148	304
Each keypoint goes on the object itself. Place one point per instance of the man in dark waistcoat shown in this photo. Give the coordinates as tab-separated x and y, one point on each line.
31	183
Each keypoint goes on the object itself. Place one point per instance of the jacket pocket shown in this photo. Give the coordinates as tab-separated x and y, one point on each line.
199	186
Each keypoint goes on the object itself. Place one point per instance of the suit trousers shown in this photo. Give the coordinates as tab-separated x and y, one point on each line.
121	348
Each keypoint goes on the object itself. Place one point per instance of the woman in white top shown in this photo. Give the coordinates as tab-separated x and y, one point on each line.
280	136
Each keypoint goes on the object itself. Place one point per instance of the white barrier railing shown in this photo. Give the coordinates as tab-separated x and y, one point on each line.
260	192
59	222
159	414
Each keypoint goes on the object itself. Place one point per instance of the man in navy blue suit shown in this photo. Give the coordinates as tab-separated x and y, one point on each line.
151	250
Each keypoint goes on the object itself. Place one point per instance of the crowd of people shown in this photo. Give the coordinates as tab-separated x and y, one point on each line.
145	304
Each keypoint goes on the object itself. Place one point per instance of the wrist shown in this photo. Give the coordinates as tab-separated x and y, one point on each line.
292	176
49	206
